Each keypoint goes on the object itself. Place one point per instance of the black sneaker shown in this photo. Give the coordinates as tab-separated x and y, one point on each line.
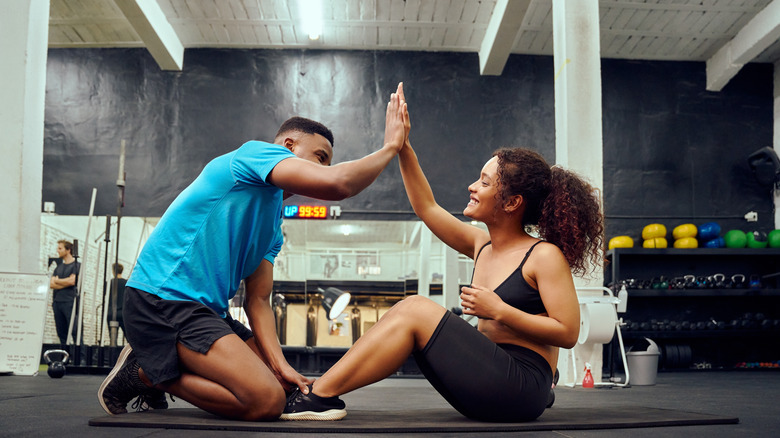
309	406
151	399
155	399
122	384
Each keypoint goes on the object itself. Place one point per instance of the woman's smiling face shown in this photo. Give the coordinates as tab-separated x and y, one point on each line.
483	193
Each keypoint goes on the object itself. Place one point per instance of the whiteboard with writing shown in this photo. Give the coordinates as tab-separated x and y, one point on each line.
23	300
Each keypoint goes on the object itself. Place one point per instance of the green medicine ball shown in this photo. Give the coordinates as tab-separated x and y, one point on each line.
735	239
774	239
757	239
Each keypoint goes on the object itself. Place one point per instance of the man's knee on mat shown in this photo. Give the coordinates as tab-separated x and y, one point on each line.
267	406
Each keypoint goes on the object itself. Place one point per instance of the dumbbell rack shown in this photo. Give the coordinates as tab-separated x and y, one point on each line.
702	324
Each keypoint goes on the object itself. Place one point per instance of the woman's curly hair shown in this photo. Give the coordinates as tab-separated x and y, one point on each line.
560	205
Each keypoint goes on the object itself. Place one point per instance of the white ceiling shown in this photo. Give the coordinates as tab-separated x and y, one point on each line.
676	30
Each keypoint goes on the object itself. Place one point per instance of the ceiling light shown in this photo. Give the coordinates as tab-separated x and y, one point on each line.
311	17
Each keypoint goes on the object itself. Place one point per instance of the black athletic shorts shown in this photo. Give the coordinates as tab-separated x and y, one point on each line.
481	379
153	327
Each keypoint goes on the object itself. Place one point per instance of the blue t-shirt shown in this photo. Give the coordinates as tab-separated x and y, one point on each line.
217	231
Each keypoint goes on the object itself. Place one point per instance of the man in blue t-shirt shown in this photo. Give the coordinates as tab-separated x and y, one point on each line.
222	229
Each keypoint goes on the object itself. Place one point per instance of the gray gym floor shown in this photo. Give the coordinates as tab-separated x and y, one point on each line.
41	406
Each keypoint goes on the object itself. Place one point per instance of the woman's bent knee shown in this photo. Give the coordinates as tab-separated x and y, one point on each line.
416	305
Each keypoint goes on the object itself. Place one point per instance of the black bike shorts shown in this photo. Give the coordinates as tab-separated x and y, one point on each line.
481	379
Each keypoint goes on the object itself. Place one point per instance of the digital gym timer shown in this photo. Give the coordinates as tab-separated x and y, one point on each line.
305	212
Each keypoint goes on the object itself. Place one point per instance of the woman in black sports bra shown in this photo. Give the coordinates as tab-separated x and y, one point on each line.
503	369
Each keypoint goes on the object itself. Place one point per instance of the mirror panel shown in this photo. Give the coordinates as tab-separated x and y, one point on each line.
376	262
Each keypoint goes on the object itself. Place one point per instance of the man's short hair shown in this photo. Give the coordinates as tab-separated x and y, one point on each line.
307	126
118	268
68	245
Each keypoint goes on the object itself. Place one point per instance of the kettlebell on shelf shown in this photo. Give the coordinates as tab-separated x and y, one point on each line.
718	281
56	367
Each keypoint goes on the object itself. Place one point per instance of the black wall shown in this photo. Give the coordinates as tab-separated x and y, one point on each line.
673	152
676	153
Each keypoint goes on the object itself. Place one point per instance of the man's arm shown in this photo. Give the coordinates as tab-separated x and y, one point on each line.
61	283
259	287
343	180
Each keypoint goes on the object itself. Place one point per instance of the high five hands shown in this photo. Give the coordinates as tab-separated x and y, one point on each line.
397	123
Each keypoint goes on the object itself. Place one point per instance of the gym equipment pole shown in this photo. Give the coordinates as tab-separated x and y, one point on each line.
75	253
80	330
120	183
98	307
107	239
77	301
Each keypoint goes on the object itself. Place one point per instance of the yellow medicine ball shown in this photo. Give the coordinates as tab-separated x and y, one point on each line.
686	242
656	242
685	230
653	230
621	242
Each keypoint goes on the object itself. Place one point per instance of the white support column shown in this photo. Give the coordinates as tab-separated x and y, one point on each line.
776	136
578	124
450	286
578	138
424	267
24	30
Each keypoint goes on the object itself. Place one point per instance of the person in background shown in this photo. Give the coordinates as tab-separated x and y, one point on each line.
120	283
64	282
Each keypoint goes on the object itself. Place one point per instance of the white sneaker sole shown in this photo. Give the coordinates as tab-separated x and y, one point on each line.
330	415
120	362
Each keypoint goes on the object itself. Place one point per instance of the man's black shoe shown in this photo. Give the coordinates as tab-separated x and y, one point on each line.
309	406
122	384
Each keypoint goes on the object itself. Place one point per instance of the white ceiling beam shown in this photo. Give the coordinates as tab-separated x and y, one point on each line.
757	35
149	21
500	35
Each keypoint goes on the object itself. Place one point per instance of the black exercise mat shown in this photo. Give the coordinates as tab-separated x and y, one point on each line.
426	420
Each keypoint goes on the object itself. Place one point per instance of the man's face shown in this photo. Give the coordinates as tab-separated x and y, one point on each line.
312	147
61	251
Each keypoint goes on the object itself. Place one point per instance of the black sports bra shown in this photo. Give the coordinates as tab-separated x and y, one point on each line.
515	291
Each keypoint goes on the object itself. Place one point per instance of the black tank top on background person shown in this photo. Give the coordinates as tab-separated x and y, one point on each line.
514	290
